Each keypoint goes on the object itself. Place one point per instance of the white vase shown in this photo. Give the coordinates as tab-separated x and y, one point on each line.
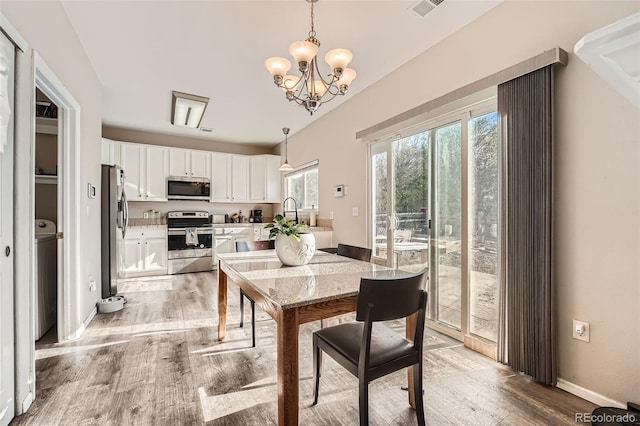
294	251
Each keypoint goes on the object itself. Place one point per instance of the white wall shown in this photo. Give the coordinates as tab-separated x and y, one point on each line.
597	201
44	25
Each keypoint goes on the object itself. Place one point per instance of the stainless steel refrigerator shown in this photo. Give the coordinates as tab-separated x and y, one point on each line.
115	218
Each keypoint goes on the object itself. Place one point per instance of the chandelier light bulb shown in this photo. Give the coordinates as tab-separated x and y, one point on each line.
338	59
347	77
289	83
303	53
277	66
319	89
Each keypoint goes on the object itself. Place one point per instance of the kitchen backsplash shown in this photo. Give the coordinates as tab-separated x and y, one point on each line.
138	208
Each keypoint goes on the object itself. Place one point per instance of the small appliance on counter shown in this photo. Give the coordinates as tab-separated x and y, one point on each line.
218	218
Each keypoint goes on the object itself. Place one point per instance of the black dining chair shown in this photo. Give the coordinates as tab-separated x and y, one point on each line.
251	246
354	252
369	349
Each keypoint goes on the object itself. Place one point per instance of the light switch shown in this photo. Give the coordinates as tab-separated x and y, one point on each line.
354	211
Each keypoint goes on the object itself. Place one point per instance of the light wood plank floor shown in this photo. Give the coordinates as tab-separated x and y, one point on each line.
157	362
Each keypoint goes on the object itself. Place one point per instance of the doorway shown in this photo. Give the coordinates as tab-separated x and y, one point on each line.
68	193
46	217
434	195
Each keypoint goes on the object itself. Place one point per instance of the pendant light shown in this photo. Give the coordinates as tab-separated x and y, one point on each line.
286	167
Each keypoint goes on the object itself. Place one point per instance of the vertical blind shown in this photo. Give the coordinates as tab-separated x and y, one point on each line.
527	333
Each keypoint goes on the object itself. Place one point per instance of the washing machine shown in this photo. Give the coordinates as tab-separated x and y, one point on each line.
46	276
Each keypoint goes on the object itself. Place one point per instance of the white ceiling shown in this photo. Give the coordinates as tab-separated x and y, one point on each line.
142	50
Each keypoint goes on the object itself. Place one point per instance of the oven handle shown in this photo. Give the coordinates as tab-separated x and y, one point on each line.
183	231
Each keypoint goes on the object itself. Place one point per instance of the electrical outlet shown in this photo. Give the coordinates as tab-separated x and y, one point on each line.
354	211
92	283
331	215
581	330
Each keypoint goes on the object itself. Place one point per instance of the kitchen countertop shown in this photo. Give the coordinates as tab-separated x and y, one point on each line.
138	221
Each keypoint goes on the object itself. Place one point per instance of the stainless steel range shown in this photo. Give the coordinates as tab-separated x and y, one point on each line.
190	242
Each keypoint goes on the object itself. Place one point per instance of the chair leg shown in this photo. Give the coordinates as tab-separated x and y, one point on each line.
317	367
417	391
364	402
241	308
253	323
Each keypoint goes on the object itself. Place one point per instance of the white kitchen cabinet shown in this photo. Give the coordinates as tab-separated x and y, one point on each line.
220	177
145	170
110	152
240	178
132	159
156	165
265	179
200	164
260	233
258	178
225	238
145	252
189	163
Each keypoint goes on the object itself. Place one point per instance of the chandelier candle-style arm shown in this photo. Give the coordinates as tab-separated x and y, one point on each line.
310	89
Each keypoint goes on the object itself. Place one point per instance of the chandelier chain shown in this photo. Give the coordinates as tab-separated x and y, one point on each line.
312	33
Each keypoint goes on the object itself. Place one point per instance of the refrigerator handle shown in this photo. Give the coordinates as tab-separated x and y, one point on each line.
125	214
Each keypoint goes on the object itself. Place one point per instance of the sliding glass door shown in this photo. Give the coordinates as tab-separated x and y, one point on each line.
434	196
400	189
446	256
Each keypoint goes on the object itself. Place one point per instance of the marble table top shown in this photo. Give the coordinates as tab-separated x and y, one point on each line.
326	277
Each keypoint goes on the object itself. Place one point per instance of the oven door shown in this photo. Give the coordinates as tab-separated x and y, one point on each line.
184	257
177	240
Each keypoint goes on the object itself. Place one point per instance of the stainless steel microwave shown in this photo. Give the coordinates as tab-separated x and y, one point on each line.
188	188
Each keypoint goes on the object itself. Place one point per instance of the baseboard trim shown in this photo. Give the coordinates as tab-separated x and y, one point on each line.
26	403
76	334
589	395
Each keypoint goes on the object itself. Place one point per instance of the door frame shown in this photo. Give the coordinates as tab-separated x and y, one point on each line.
68	189
462	110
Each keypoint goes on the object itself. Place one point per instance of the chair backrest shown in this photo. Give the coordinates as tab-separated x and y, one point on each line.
255	245
354	252
390	298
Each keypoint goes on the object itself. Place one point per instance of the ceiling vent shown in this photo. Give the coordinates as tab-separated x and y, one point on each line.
423	7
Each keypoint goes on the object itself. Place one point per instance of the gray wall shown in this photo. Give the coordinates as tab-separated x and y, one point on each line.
597	199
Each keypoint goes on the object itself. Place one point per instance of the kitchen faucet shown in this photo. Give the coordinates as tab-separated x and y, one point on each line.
284	212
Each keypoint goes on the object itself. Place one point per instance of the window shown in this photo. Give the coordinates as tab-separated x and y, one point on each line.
302	185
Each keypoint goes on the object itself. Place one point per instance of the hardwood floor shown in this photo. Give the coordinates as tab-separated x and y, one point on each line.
158	362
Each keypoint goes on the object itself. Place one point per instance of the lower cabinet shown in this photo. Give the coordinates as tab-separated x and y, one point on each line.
145	252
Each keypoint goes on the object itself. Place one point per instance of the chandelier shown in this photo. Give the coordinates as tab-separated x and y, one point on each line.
310	89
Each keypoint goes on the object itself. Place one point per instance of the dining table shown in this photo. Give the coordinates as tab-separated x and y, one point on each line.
293	295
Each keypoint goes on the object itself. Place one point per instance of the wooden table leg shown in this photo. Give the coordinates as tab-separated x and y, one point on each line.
222	303
410	333
288	391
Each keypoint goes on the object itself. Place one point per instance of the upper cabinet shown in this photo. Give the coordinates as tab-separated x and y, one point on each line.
110	152
220	177
240	178
190	163
234	178
145	168
265	178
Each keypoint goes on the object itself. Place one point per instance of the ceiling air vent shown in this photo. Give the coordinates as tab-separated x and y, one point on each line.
423	7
